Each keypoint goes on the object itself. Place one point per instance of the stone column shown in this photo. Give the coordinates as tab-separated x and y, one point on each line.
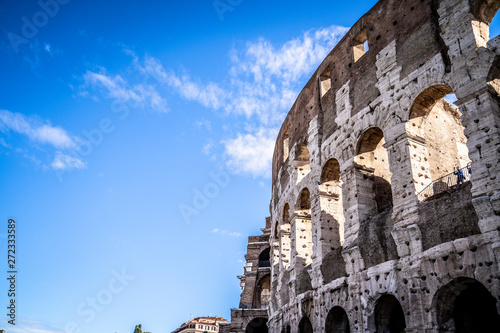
481	119
301	239
327	226
358	200
285	247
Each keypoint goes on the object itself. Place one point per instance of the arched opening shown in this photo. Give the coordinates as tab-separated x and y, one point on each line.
389	316
375	180
493	78
332	216
263	293
304	202
465	305
302	161
439	145
276	246
305	326
286	145
301	236
485	23
285	237
264	258
330	175
337	321
257	325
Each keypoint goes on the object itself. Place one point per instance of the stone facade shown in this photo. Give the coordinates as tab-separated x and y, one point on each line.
353	246
251	315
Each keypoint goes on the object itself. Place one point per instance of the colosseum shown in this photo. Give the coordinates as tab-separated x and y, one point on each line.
385	207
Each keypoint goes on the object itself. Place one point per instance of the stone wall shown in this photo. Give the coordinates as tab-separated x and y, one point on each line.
251	314
353	247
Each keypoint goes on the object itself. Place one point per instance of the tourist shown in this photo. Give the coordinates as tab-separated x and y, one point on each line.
460	175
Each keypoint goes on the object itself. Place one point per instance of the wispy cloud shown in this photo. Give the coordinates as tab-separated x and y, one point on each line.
209	95
115	87
207	148
226	233
63	161
262	82
44	133
36	130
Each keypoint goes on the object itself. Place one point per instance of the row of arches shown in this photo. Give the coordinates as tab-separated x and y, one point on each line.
463	305
434	145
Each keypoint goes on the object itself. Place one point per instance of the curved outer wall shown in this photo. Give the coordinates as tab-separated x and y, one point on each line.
336	245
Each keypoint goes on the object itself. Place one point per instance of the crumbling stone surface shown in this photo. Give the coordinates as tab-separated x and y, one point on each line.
375	241
374	126
439	226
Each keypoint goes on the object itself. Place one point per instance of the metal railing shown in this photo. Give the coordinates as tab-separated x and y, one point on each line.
444	183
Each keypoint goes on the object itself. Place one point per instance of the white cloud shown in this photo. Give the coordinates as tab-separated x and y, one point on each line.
207	148
42	132
62	162
226	233
262	82
267	78
209	95
35	130
252	153
118	89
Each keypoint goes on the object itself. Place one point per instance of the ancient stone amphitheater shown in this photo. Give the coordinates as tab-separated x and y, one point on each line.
370	230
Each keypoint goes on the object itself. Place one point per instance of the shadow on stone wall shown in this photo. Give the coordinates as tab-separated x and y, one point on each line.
303	282
448	216
333	265
284	293
375	241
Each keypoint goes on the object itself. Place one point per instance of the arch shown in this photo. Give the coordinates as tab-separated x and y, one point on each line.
373	161
286	214
257	325
305	326
337	321
301	233
388	316
302	155
284	236
304	200
465	305
275	232
286	145
302	161
330	174
264	257
263	293
493	77
483	12
438	141
332	213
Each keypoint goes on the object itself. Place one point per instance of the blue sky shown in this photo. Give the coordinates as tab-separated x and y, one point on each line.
135	148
